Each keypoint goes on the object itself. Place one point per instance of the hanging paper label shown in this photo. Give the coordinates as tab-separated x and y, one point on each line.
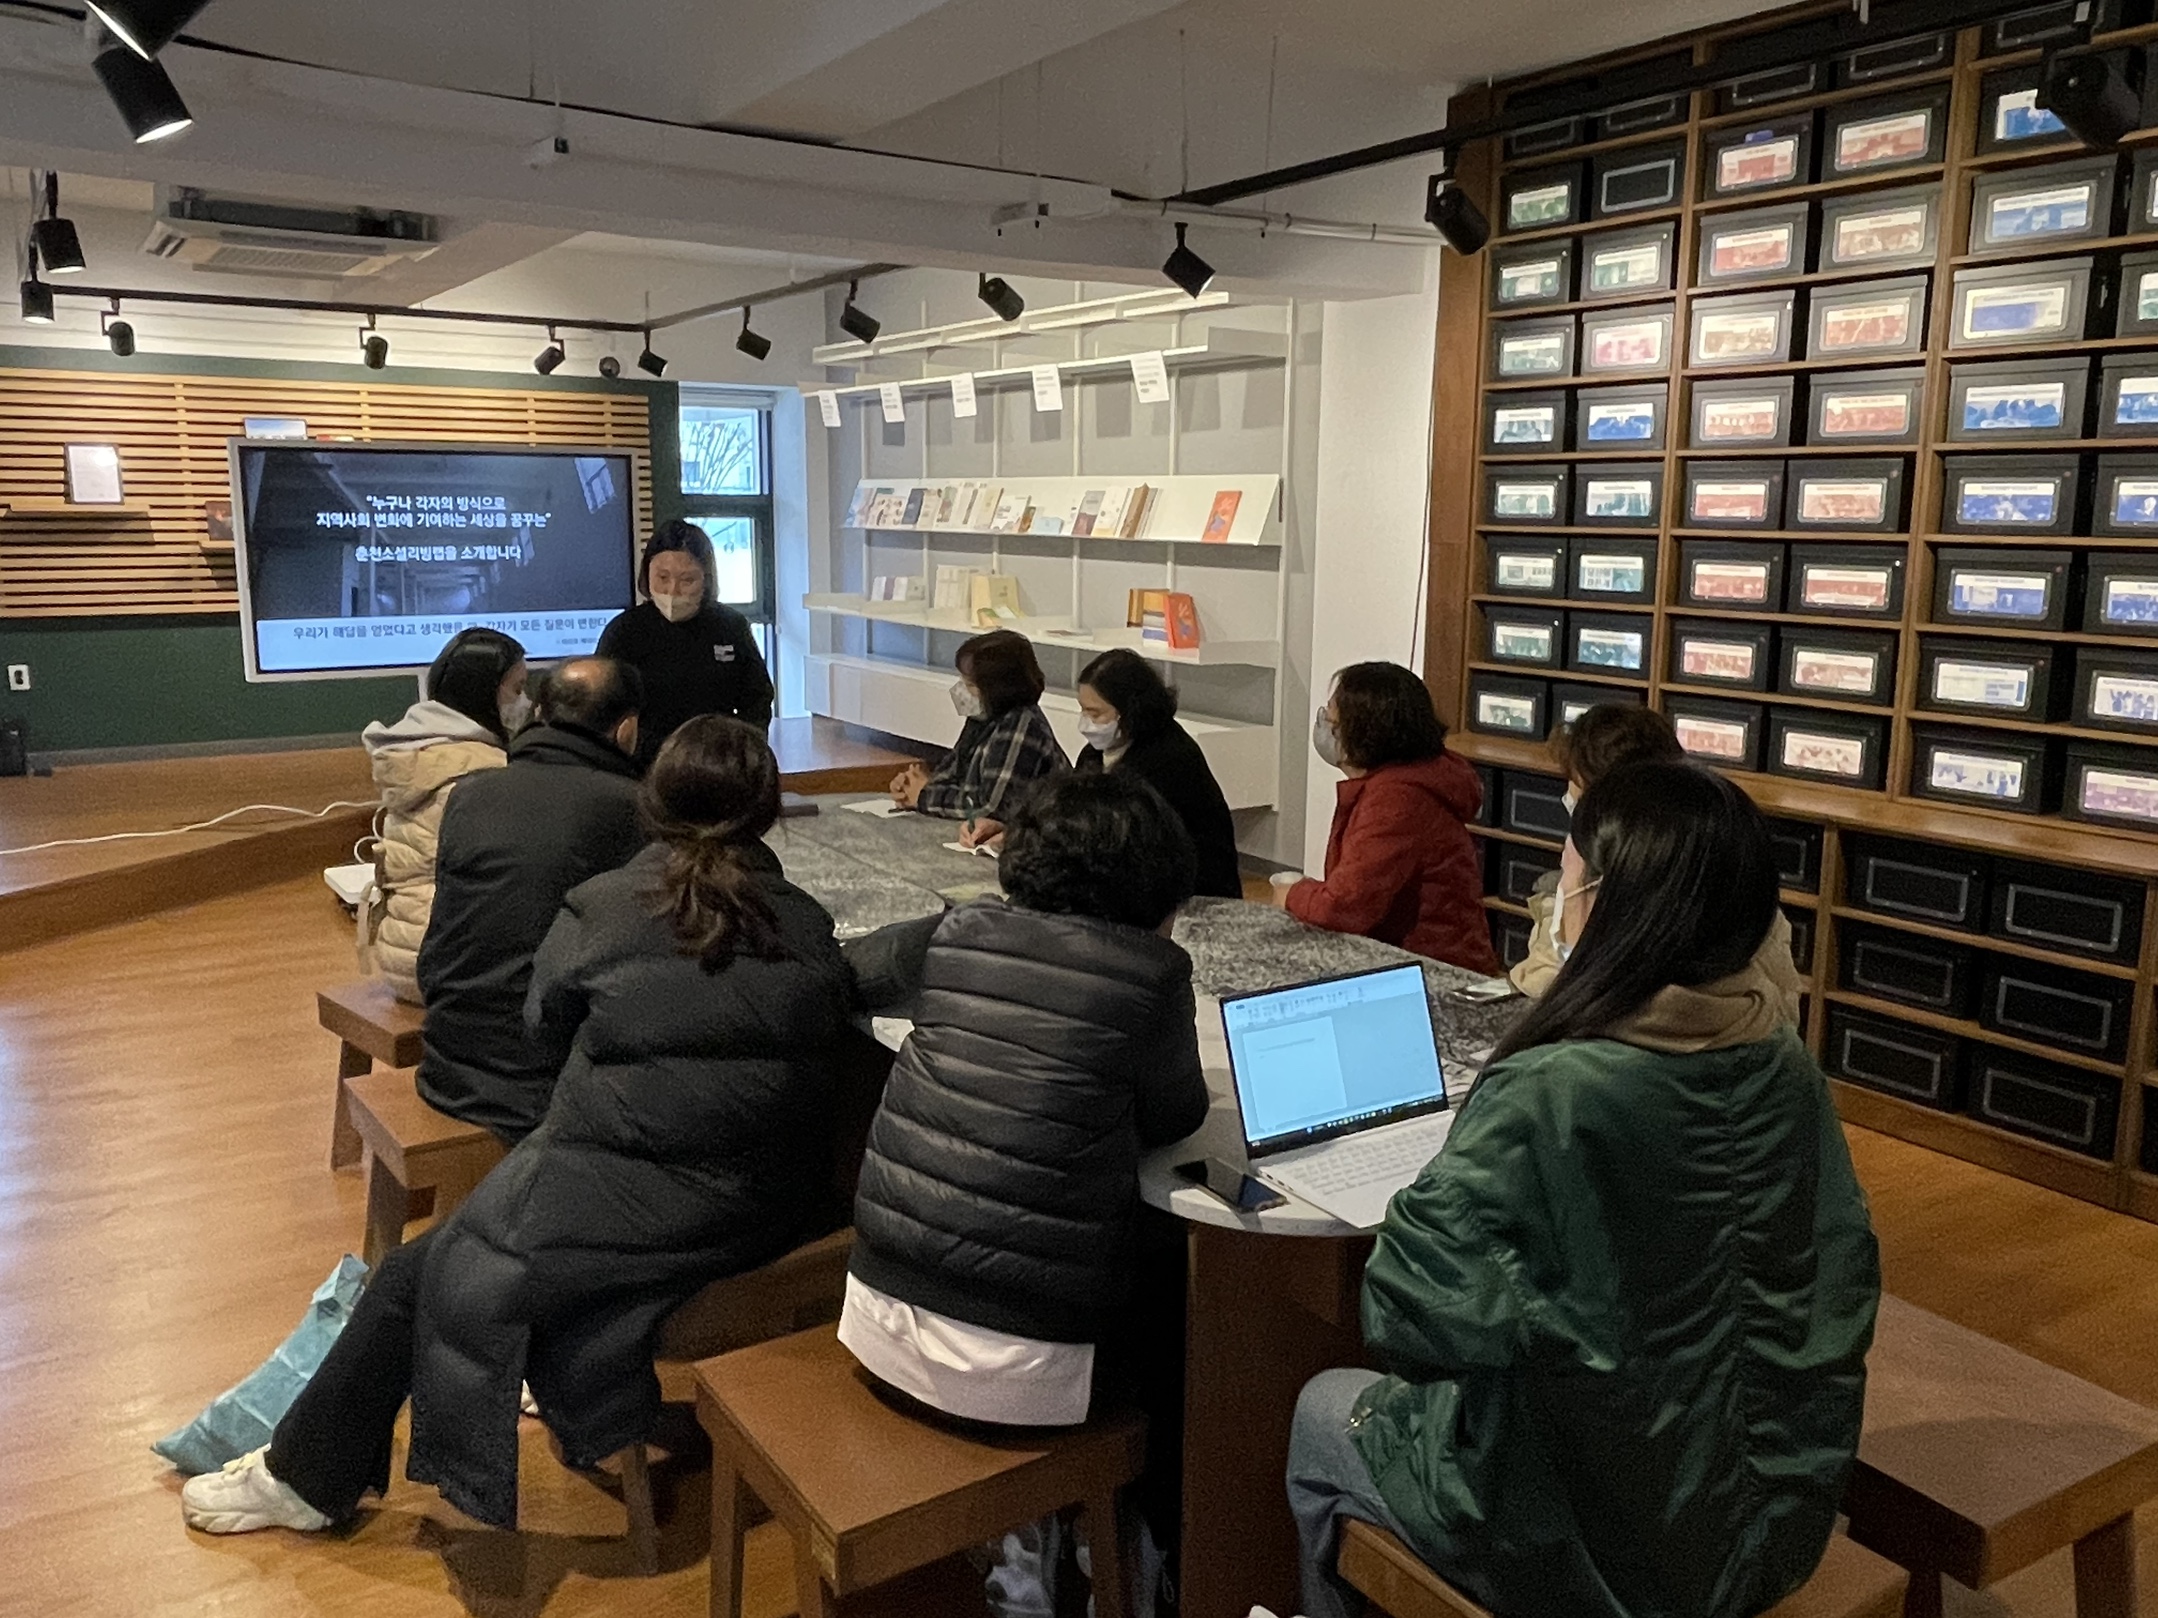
828	407
1048	388
963	394
895	408
1150	376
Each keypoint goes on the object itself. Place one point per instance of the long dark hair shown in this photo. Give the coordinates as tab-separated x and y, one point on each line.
711	793
1384	715
1004	670
1145	707
693	542
1688	891
467	675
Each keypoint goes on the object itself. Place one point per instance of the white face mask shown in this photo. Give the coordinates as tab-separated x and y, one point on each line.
966	700
678	609
1559	941
1099	737
516	712
1324	739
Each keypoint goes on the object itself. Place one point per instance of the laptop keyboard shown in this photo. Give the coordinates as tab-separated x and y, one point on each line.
1357	1160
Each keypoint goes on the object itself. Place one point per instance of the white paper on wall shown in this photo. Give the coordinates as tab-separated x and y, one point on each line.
1048	388
963	394
895	408
1150	376
828	408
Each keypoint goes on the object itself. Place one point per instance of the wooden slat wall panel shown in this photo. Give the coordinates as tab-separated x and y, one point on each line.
171	431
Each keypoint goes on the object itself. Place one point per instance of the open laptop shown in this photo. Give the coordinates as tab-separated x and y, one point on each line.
1340	1087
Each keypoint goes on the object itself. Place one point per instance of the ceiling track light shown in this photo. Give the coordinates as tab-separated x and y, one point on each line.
2082	89
549	359
649	363
143	94
146	26
119	335
36	296
57	243
1454	215
1186	268
1003	302
374	347
751	343
857	322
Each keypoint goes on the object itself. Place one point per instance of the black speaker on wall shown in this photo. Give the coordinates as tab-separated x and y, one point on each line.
14	749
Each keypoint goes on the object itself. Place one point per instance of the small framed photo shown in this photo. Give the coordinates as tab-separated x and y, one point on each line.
1772	85
1628	417
2112	786
2117	691
2018	589
1524	423
2006	679
1991	768
2137	311
1845	581
1500	706
1758	244
1605	643
1525	567
1810	744
1639	117
93	475
1620	495
1625	263
1545	139
1854	495
1917	53
1635	178
1851	665
1735	655
1885	230
1733	494
2018	399
2010	494
1751	328
2128	396
1768	156
1612	569
1531	639
1541	199
2021	303
1731	576
1868	318
2125	501
1866	407
1625	340
1570	699
1753	414
1907	130
1726	734
217	520
1524	277
1526	350
2058	202
2009	115
1527	496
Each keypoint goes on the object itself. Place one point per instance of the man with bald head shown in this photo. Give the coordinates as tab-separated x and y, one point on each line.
564	810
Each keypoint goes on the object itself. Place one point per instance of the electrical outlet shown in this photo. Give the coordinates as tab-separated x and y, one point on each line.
18	676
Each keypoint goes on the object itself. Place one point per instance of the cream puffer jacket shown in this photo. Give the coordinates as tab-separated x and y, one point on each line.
416	762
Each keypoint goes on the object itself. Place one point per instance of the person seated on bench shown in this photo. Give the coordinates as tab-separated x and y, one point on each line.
1054	1042
513	844
1595	744
1626	1309
687	1140
475	701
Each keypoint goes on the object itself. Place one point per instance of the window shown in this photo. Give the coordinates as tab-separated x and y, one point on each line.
727	491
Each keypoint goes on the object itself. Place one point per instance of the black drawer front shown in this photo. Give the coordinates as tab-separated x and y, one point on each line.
2077	1012
1905	967
1488	780
2148	1157
1927	884
1520	868
1801	939
1510	938
2070	910
1896	1058
2045	1101
1797	850
1535	805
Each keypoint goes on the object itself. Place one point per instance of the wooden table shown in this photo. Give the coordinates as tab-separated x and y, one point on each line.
818	755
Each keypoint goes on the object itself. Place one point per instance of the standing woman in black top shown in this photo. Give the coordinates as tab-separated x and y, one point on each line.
697	656
1128	717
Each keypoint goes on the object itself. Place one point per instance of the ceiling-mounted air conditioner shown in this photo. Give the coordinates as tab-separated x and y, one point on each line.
243	236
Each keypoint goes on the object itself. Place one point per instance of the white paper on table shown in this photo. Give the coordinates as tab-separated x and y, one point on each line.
882	808
828	407
963	394
895	408
1150	376
1048	388
978	848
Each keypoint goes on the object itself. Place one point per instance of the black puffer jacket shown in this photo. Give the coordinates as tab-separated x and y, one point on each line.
513	843
1002	1175
688	1139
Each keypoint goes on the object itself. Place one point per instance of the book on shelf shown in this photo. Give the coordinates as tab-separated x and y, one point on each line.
911	516
1223	516
858	505
876	513
895	587
1139	511
1011	506
947	498
1028	512
1164	618
1110	517
993	598
954	584
981	505
1087	512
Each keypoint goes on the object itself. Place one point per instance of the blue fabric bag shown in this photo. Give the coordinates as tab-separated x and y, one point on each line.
242	1418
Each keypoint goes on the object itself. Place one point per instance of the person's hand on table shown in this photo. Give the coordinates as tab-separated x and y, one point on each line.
982	833
907	785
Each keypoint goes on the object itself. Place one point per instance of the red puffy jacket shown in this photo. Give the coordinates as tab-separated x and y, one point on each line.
1401	866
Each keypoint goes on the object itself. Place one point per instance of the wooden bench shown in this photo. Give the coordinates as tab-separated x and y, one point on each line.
1851	1582
1977	1461
372	1025
870	1495
419	1160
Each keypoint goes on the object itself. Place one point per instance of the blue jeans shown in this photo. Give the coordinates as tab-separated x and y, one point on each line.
1327	1482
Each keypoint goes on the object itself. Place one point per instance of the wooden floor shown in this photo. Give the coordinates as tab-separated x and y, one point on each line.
165	1210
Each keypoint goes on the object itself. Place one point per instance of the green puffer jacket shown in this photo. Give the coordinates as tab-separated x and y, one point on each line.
1627	1312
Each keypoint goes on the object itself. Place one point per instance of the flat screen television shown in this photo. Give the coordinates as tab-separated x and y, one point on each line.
360	559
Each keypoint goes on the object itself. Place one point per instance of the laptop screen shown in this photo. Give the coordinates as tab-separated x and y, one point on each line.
1324	1059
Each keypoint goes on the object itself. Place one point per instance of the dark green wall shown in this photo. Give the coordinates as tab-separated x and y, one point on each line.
152	682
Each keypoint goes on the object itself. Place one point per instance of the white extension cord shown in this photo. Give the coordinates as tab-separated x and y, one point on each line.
182	831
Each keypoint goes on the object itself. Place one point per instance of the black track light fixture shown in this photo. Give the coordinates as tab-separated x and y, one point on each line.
57	243
1186	268
550	358
143	94
649	363
1003	302
374	347
36	295
750	343
2084	91
146	26
857	322
1451	212
119	335
609	367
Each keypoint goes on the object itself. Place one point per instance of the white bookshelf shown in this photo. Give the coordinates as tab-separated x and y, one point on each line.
1059	632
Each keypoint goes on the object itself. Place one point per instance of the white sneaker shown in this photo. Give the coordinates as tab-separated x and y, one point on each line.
244	1497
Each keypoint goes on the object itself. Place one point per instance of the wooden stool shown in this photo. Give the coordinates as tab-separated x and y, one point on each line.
1851	1581
1977	1461
412	1149
868	1494
373	1026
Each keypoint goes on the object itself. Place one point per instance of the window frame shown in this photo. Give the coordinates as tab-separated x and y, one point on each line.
756	508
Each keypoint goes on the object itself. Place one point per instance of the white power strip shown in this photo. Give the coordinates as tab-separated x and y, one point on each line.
349	882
